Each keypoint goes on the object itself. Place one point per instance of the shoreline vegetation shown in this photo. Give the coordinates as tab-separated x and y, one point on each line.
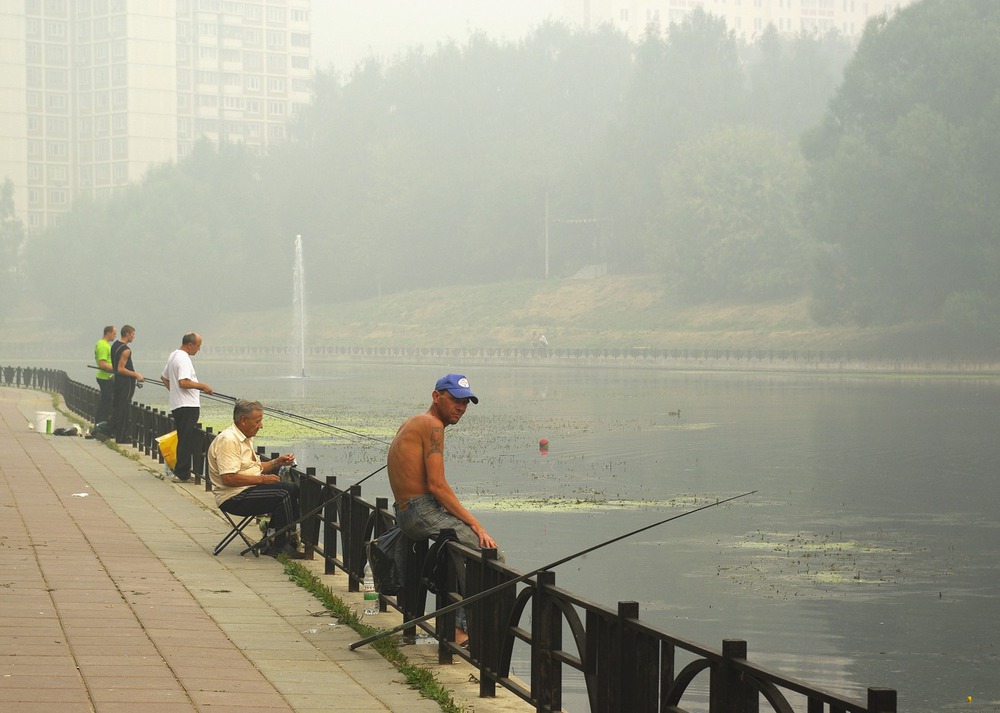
631	320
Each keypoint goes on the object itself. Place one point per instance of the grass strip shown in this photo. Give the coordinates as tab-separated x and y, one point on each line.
417	677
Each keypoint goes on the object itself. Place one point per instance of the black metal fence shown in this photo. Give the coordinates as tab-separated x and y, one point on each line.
627	665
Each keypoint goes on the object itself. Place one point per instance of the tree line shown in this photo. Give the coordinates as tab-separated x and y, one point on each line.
864	175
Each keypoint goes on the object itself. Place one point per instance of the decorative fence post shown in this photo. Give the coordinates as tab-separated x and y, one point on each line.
729	692
330	521
881	700
546	638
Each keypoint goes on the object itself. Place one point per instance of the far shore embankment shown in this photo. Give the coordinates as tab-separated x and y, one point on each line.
728	360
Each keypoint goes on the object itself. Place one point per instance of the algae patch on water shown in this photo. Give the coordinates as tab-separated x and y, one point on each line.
578	505
815	566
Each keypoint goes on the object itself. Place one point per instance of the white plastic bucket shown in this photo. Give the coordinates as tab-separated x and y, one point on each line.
45	421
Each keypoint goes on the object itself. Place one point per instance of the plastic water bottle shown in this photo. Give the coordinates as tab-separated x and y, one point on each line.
371	596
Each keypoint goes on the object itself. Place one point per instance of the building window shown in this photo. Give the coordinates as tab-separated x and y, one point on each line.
57	126
276	40
276	63
276	85
58	175
277	108
56	55
57	149
55	30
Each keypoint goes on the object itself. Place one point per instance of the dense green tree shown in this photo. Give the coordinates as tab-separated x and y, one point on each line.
729	226
186	241
904	170
436	169
792	79
685	84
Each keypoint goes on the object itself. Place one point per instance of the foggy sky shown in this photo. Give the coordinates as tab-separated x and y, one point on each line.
347	31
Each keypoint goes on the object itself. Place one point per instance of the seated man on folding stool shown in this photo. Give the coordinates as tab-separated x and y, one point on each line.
245	485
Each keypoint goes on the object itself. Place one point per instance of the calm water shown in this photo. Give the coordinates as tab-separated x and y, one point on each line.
868	557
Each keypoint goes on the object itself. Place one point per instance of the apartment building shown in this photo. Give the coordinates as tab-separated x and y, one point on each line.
747	18
96	92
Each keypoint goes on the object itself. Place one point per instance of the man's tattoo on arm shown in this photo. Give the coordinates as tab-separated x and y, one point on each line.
436	441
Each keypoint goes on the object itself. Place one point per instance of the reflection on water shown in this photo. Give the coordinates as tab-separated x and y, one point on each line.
869	557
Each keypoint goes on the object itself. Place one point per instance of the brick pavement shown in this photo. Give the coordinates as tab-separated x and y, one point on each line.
110	598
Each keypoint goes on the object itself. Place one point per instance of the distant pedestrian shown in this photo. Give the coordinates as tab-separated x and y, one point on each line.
105	370
126	380
185	400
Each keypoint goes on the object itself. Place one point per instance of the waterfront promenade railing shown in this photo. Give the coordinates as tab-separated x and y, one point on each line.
627	666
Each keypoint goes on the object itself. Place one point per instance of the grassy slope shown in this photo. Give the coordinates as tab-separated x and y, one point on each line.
610	311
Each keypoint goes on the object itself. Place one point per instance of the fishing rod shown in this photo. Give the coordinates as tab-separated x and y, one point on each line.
304	421
493	590
255	548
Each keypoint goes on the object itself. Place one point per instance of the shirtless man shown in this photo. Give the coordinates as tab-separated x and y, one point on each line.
425	503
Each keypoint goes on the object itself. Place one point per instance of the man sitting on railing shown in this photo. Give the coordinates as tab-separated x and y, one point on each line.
245	485
425	503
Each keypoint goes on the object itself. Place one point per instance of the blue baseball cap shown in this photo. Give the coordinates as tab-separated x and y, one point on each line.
456	385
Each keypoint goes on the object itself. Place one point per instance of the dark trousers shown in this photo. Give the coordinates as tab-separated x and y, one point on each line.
124	391
107	389
279	500
186	423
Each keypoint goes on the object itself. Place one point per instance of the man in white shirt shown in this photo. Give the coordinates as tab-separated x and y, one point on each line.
185	400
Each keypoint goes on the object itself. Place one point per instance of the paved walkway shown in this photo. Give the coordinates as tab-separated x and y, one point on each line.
110	598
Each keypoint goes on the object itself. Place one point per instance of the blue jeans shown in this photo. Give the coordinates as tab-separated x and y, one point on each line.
425	517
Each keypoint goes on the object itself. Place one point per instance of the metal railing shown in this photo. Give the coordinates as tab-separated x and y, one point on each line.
627	665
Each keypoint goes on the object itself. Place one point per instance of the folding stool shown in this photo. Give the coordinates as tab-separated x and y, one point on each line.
237	531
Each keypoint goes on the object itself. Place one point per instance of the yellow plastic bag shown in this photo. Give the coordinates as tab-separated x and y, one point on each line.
167	444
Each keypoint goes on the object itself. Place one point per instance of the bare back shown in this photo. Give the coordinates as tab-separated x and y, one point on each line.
418	439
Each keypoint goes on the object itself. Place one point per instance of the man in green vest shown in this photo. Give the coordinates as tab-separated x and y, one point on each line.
105	370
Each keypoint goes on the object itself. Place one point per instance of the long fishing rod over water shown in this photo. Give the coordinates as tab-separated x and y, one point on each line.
552	565
298	420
